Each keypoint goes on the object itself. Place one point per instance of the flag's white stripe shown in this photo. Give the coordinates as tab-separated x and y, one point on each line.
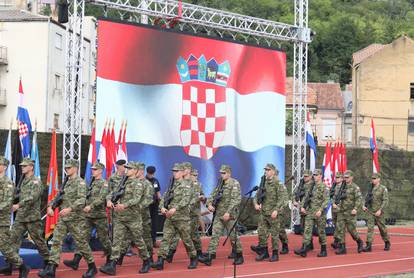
156	112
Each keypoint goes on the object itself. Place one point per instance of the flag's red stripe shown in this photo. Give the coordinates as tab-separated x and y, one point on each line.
147	56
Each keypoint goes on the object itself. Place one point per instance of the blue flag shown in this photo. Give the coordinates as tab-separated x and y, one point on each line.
35	155
8	155
25	126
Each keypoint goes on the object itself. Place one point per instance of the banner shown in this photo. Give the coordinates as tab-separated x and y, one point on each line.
191	98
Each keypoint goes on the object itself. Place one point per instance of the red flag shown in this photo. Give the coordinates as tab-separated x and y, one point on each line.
110	145
374	149
344	167
124	148
53	182
327	173
103	150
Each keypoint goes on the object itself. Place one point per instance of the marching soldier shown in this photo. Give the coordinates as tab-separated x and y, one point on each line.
95	213
271	207
156	201
6	202
335	187
127	220
375	212
28	218
313	207
175	205
284	217
71	219
229	198
347	202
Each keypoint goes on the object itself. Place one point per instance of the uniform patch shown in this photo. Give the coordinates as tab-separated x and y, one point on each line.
10	186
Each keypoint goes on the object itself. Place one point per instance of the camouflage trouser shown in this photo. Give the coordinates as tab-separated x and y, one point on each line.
125	230
195	235
310	221
6	249
35	230
268	225
346	221
373	220
284	216
218	226
335	223
75	227
171	229
101	226
146	226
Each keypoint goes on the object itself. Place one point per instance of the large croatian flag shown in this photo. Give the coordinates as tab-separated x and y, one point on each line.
196	99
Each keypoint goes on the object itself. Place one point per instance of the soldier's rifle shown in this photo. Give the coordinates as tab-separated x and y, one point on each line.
261	193
300	191
89	193
169	195
116	195
17	190
341	195
219	194
332	191
370	196
57	201
308	198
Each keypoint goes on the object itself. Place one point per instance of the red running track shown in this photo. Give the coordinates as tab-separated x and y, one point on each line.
379	262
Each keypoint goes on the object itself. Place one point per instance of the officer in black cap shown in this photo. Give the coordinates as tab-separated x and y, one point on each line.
157	197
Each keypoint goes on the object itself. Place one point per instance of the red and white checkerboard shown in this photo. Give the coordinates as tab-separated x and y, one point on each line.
203	121
23	130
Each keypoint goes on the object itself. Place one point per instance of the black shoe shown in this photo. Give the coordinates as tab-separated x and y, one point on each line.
159	265
74	264
275	256
24	271
334	244
387	246
310	245
170	256
232	255
206	259
360	245
145	266
109	268
323	252
263	254
7	270
91	272
341	249
120	259
255	248
368	247
199	253
285	249
193	263
48	272
302	251
239	259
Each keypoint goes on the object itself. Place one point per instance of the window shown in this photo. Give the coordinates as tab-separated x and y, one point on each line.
58	41
411	125
348	134
329	128
57	81
411	91
56	121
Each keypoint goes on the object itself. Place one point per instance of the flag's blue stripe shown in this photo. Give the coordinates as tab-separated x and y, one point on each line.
311	142
247	167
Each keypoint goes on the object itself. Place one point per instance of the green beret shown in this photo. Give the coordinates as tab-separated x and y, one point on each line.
27	161
225	169
187	165
97	165
71	163
4	161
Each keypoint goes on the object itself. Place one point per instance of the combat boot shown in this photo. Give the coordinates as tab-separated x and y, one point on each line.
341	249
74	264
231	255
360	245
285	249
264	254
193	263
48	272
387	246
323	252
368	247
121	259
159	265
239	259
109	268
7	270
170	256
310	245
334	244
206	259
255	248
145	266
91	272
302	251
24	271
275	256
199	253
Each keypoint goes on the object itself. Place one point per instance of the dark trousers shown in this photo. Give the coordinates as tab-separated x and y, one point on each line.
154	215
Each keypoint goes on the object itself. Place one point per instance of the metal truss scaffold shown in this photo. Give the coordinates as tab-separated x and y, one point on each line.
198	19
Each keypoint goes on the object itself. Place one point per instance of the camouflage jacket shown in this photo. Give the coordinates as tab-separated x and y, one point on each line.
113	182
231	199
31	192
6	200
319	199
148	194
195	209
132	198
353	199
96	198
276	197
74	198
182	194
379	198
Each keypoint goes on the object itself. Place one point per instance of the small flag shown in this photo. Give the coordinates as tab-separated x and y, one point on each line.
311	142
102	150
35	155
374	149
8	154
327	172
53	182
91	156
24	124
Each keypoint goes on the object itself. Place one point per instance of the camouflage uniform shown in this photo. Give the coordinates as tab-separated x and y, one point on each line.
145	213
379	202
6	202
229	203
28	218
284	216
345	220
334	190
